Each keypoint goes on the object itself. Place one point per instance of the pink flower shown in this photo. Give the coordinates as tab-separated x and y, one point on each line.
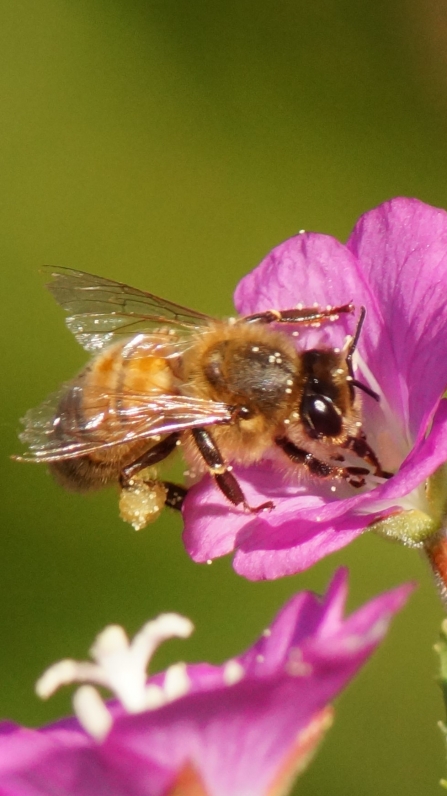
240	729
395	265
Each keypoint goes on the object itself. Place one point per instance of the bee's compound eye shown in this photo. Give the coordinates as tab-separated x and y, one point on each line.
320	416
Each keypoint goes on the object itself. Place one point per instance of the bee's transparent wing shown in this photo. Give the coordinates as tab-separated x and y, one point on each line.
99	309
55	430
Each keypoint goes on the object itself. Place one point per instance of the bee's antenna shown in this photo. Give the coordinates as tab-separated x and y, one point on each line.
351	349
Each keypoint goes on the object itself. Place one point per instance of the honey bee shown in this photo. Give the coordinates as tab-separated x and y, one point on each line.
225	391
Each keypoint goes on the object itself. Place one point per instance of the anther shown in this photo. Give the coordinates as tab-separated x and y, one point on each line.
233	672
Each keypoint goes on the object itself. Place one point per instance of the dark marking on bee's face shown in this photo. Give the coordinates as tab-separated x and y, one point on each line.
256	375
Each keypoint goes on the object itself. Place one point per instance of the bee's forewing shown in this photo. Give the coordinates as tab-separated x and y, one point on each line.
99	309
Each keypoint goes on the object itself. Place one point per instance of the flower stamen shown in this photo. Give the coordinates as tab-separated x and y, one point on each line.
92	712
121	666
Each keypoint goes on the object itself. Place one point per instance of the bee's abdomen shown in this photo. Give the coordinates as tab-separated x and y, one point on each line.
93	410
84	473
79	422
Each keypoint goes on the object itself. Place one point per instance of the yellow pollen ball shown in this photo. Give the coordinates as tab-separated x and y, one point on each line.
142	503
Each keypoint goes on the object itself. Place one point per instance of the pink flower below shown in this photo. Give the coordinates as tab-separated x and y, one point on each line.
241	729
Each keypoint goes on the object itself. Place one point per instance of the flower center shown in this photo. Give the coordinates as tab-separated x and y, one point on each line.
387	436
121	666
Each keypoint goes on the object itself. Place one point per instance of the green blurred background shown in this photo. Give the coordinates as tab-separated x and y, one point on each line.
171	145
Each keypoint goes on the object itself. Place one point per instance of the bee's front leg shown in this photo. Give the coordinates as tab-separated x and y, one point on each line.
355	476
362	449
223	476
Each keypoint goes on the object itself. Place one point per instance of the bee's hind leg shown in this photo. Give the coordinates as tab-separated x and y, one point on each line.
175	495
153	455
143	495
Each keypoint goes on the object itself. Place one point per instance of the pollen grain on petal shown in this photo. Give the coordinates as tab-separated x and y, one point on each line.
296	666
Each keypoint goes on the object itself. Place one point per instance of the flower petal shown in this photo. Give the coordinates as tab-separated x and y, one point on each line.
67	762
402	248
277	690
216	739
307	269
302	528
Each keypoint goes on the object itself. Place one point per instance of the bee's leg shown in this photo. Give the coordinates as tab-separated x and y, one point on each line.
175	495
360	447
303	315
353	475
224	478
155	454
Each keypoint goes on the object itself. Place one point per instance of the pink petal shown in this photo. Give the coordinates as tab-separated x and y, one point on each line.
219	732
302	528
402	249
269	562
309	268
222	732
